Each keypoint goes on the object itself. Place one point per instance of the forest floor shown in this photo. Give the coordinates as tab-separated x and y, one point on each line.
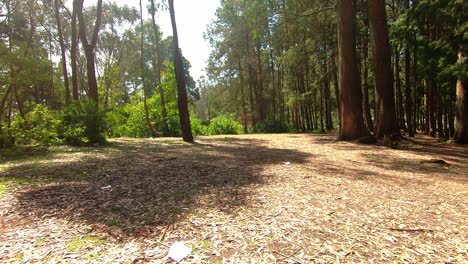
296	198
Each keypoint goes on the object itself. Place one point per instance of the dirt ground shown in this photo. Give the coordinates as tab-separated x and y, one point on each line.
296	198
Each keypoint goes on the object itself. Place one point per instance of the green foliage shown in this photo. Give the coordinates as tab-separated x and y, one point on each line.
224	125
82	122
198	129
40	127
272	126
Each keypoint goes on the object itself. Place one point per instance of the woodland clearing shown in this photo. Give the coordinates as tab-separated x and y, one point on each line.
286	198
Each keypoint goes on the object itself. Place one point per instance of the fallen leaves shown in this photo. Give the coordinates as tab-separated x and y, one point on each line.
237	199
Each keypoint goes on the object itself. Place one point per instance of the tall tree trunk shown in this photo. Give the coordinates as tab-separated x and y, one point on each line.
182	100
365	78
244	109
386	122
427	110
408	101
352	122
399	97
63	51
143	79
73	50
89	49
461	133
158	69
432	107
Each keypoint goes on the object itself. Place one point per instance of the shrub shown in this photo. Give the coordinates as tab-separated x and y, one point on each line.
83	121
271	126
198	129
40	128
223	125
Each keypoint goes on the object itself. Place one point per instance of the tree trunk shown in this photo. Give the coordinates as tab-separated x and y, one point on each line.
89	49
365	79
461	133
63	51
399	97
244	109
386	122
182	100
352	122
73	51
142	65
158	70
408	101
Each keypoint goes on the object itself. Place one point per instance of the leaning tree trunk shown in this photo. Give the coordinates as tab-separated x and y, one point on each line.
386	122
352	122
461	132
182	100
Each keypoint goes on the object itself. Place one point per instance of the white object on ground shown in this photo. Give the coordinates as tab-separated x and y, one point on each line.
108	187
178	251
287	163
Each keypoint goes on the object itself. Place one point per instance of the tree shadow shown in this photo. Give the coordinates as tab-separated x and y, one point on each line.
133	185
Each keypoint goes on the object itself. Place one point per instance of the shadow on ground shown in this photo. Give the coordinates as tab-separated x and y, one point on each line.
133	185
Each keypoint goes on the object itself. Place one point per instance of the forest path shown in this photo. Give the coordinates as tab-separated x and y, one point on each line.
289	198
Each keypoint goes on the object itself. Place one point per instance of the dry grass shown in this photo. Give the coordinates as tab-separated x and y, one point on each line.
237	199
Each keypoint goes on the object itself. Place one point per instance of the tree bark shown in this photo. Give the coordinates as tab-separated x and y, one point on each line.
365	79
352	122
89	49
461	132
158	70
408	101
63	51
182	100
386	122
142	65
73	50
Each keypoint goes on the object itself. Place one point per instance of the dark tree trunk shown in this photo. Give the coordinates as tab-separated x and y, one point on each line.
181	86
399	97
386	122
352	122
461	133
63	51
451	119
408	101
427	115
440	130
432	108
365	79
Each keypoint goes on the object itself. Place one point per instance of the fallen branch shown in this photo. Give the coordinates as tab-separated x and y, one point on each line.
288	257
412	229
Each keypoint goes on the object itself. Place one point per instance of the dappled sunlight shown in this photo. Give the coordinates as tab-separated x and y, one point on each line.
236	195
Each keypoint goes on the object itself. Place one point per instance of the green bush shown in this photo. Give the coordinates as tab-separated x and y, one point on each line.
198	129
223	125
40	128
271	126
82	122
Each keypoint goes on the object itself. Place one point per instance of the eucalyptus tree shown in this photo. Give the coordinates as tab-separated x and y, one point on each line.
184	114
89	48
